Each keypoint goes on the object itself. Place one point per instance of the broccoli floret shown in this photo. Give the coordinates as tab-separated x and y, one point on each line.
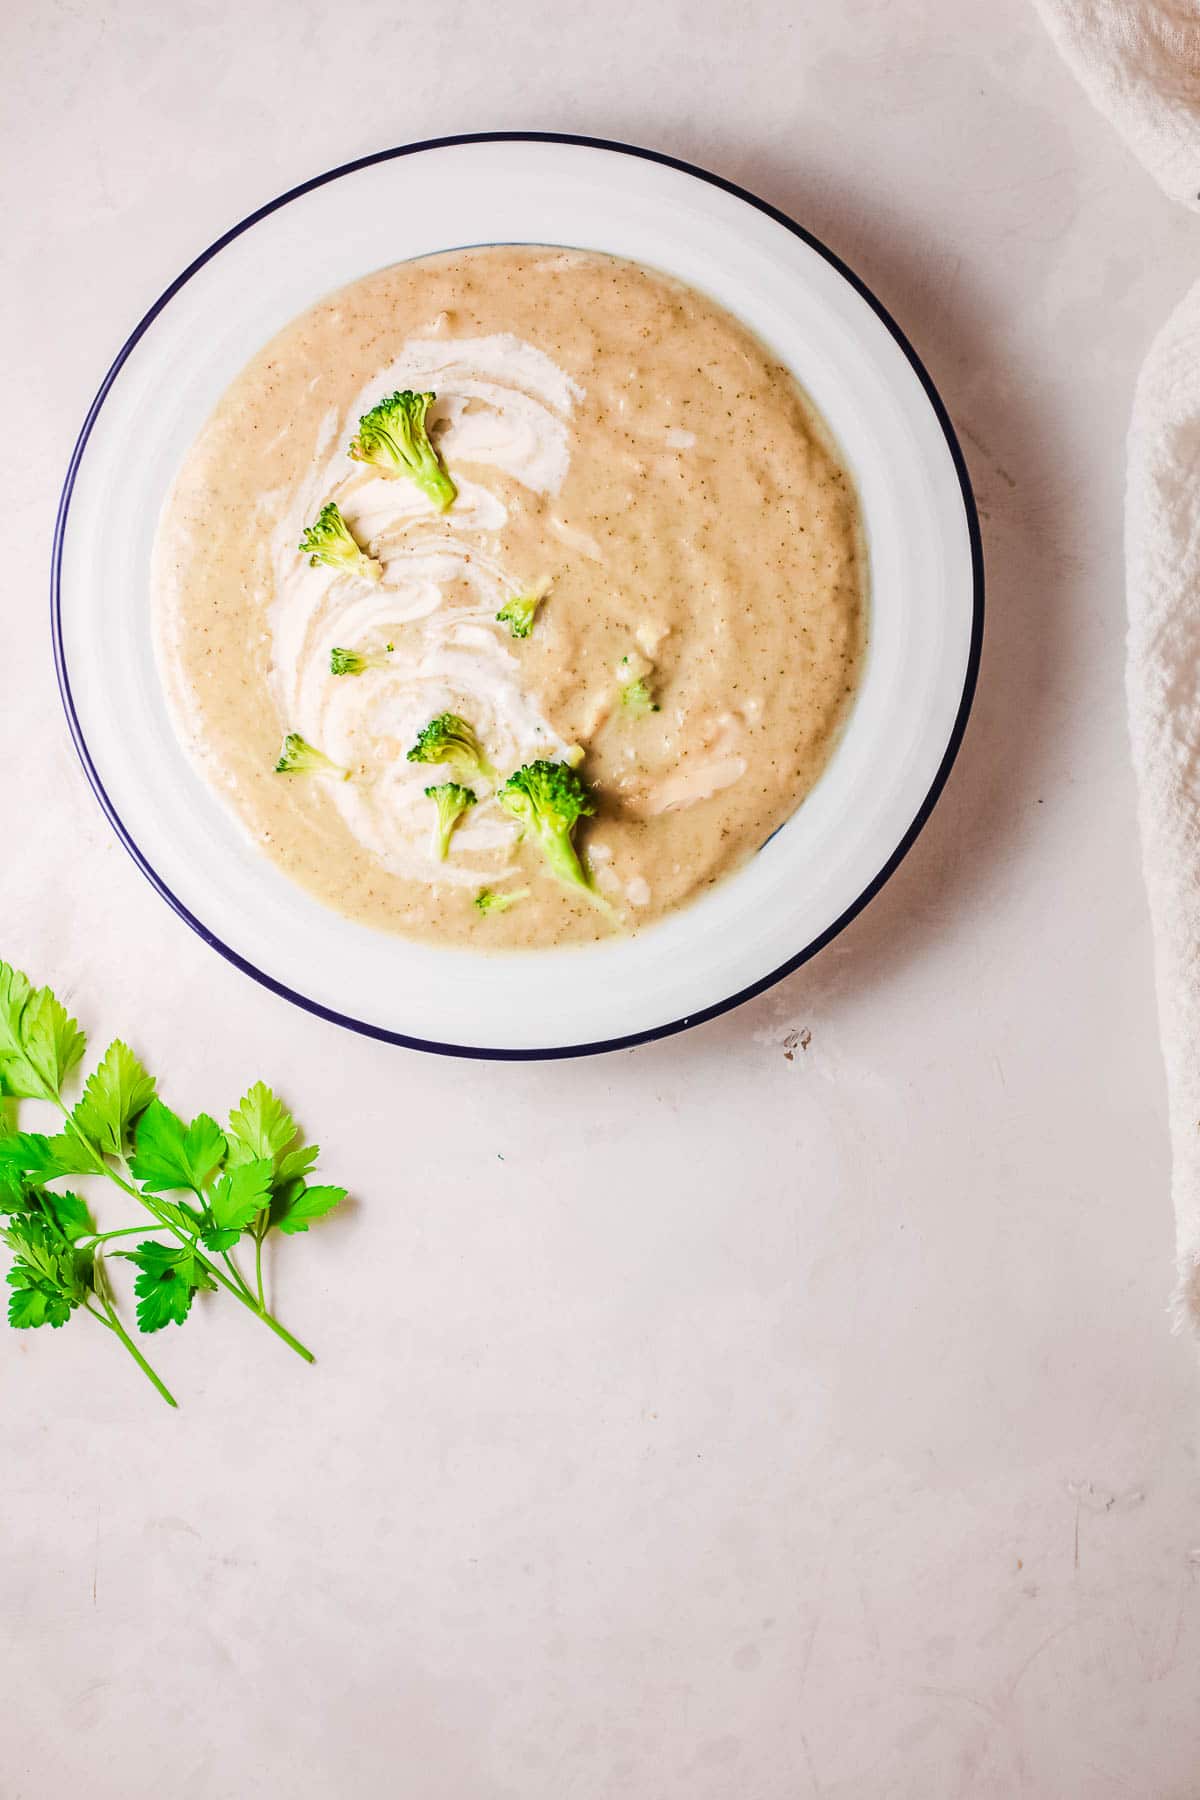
549	799
518	612
487	900
450	740
353	662
452	801
330	540
392	438
636	698
300	758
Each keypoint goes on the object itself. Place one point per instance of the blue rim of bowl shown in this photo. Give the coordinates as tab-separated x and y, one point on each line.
363	1026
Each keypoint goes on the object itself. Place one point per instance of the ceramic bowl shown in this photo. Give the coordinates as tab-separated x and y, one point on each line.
926	595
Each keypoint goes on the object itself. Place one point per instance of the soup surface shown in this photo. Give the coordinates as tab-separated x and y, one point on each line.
621	447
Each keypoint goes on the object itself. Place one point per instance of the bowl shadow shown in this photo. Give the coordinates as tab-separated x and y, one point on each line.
1015	463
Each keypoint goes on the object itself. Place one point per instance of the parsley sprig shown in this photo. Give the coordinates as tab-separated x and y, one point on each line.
206	1190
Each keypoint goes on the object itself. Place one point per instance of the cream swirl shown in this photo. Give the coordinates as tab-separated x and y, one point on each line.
501	403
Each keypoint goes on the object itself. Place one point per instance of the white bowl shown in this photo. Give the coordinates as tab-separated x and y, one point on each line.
925	570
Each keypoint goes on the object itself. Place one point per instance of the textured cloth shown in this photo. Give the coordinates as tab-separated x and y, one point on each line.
1139	61
1162	551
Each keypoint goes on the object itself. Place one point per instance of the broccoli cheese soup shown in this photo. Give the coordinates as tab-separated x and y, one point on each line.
511	597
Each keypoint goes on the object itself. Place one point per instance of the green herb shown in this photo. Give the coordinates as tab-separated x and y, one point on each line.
203	1190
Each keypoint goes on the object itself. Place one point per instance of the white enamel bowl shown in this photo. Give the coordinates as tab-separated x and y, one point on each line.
925	570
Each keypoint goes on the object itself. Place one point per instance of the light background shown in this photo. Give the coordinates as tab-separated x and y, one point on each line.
723	1420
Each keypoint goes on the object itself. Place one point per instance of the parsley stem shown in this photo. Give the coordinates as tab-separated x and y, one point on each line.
281	1331
240	1292
109	1318
243	1285
258	1307
112	1323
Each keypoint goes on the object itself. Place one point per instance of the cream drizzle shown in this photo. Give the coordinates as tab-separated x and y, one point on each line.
700	775
503	404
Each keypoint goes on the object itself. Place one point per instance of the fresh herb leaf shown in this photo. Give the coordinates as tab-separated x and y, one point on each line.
74	1155
15	1193
180	1215
48	1267
294	1165
53	1041
171	1155
39	1158
259	1126
30	1237
167	1278
69	1213
297	1211
236	1202
15	989
221	1186
39	1042
35	1301
117	1093
29	1153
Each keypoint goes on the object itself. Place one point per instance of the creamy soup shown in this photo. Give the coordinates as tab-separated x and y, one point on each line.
623	452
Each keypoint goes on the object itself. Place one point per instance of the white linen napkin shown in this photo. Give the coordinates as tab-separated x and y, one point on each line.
1139	62
1162	560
